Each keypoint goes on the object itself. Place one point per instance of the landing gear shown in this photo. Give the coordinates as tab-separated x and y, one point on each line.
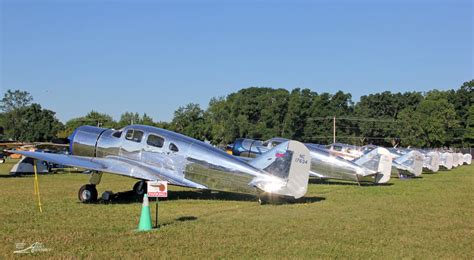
262	201
140	188
87	193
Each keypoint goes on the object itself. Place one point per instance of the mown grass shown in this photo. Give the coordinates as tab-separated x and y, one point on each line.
429	217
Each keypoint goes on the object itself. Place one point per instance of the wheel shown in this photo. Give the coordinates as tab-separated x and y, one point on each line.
262	201
87	193
140	188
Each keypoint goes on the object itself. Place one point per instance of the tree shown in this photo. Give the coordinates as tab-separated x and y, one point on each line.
468	137
147	120
298	110
93	118
129	118
189	120
32	123
428	125
219	124
14	100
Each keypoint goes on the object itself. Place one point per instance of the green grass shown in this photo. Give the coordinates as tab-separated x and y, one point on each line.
429	217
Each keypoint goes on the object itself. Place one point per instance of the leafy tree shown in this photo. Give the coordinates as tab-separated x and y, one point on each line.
93	118
129	118
14	100
468	137
32	123
147	120
189	120
428	124
383	109
298	110
218	122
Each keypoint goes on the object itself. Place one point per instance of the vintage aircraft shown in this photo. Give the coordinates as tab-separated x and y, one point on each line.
467	158
446	161
373	166
458	159
431	160
405	163
150	153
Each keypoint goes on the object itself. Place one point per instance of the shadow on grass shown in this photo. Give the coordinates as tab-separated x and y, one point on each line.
177	220
10	176
130	197
349	183
32	174
429	173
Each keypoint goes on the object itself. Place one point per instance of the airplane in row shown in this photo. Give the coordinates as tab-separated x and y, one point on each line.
148	153
359	164
371	166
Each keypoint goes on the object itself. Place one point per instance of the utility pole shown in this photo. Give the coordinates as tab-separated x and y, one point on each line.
334	130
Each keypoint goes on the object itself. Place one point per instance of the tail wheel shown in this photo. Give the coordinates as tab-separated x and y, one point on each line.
87	193
140	188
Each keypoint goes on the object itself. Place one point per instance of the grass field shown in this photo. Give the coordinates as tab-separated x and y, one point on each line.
429	217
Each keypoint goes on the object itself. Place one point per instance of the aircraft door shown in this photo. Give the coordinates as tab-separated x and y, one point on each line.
131	147
153	150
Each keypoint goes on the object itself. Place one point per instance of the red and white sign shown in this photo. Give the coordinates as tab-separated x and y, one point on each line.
157	189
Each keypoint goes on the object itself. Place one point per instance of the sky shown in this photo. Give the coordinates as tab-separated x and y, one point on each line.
154	56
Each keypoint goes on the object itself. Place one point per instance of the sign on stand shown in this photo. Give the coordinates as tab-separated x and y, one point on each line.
157	189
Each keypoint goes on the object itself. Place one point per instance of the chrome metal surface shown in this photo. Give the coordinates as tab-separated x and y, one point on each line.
446	160
150	153
326	164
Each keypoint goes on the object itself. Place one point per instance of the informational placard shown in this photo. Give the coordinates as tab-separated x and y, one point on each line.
157	189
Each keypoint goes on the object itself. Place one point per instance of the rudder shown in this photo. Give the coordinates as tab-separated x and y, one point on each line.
287	167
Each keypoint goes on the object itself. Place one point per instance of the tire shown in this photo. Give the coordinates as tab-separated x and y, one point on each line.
140	188
87	193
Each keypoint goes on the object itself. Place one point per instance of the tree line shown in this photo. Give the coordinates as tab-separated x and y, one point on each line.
432	119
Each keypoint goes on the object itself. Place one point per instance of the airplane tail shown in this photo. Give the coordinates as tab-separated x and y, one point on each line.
431	161
378	160
286	170
411	163
446	161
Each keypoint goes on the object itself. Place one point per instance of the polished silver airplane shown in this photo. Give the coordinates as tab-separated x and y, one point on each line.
150	153
373	165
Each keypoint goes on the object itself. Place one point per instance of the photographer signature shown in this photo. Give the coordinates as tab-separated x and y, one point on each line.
34	248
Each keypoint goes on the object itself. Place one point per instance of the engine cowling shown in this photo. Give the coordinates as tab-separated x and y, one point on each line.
83	142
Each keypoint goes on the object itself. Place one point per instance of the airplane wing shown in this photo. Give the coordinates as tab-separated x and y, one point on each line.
114	165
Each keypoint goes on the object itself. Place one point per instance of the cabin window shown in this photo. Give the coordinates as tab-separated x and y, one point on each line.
337	148
173	147
156	141
117	134
275	143
134	135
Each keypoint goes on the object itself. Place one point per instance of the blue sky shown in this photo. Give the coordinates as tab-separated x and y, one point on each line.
154	56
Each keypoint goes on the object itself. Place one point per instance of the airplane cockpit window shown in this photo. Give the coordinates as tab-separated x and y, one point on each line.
173	148
117	134
134	135
275	143
156	141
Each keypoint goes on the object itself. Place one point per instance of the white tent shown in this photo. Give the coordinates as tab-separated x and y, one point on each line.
25	166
